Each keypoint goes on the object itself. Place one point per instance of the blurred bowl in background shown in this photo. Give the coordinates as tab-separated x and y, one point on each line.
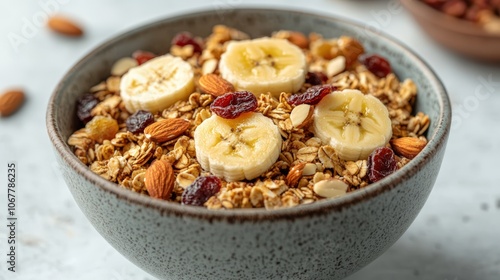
458	35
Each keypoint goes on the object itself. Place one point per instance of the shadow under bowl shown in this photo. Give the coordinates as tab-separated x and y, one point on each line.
329	239
458	35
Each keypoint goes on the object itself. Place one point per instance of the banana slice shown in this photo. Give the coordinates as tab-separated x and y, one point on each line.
353	123
157	84
264	65
237	149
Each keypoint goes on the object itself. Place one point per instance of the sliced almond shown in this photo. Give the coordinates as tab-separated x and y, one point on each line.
215	85
99	87
301	115
11	101
209	66
309	169
122	66
335	66
330	188
408	147
64	26
165	130
160	179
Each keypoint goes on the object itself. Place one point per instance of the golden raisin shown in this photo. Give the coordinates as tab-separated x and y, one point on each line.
101	128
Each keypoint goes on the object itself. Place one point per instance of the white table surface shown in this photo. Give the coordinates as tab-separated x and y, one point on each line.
455	237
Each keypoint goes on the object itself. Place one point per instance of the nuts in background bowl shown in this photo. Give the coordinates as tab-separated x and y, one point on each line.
474	32
483	12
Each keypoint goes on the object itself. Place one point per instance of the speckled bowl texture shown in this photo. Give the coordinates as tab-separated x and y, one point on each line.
457	35
325	240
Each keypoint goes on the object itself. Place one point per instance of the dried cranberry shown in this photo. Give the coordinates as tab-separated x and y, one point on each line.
85	105
139	120
377	65
312	95
185	38
381	163
201	190
316	78
436	4
233	104
143	56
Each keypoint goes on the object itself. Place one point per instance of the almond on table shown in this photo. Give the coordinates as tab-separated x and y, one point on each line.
64	26
10	102
229	121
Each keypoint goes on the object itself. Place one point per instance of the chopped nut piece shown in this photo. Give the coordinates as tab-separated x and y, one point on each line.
292	179
309	169
330	188
336	66
123	65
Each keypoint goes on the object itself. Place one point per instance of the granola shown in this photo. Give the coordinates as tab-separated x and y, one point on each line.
307	169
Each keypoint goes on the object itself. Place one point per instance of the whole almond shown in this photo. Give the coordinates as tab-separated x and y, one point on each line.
408	147
160	179
214	84
167	129
64	26
10	101
351	49
301	115
298	39
294	175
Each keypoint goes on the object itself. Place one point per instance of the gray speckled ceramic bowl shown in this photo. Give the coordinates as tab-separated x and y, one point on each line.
326	240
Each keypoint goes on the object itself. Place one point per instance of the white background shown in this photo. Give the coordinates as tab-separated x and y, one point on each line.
455	237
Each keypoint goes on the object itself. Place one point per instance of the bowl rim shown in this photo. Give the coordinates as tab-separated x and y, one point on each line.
421	10
436	141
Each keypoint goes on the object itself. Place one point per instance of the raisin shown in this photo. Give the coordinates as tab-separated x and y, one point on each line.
85	105
143	56
377	65
185	38
233	104
381	163
201	190
139	120
101	128
312	95
316	78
